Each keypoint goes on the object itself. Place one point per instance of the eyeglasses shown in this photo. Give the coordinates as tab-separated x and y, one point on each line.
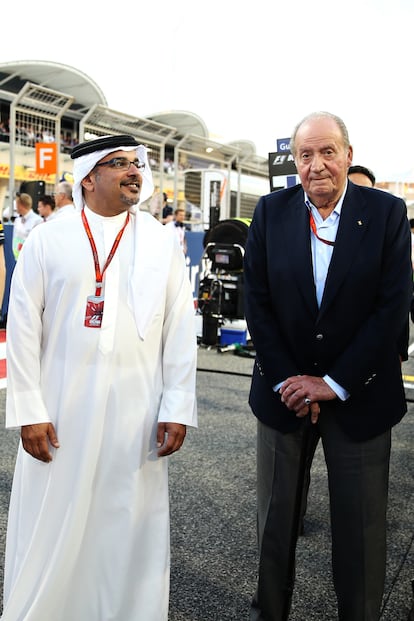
122	163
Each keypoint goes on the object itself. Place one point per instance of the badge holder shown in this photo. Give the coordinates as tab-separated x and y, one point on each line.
94	311
95	303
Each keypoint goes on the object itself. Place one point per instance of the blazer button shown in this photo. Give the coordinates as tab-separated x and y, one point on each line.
319	337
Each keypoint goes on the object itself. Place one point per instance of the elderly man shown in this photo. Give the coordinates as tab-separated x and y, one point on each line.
328	287
101	381
63	200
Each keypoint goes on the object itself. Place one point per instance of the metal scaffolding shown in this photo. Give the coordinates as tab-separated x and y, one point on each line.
35	116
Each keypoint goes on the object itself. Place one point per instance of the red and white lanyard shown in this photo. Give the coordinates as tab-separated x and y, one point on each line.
98	273
315	232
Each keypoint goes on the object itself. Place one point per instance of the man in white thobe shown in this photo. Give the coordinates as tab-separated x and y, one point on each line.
101	382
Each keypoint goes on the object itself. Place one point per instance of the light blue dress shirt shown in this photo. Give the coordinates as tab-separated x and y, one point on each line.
321	258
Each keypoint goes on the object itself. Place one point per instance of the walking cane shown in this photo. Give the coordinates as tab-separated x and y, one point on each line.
297	514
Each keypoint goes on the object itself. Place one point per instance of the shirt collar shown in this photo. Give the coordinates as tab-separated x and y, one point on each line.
24	218
338	206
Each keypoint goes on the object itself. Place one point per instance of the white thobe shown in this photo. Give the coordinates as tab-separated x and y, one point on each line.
88	533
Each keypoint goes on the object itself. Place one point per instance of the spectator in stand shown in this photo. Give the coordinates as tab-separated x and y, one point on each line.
47	136
4	132
24	223
63	199
46	207
360	175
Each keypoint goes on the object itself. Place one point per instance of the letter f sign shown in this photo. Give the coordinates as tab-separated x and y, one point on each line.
46	158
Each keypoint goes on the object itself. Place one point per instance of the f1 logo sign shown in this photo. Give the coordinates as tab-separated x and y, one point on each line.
46	158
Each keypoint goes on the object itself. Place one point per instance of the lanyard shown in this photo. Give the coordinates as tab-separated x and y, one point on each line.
98	274
314	231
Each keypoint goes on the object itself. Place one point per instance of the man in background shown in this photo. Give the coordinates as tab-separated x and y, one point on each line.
24	223
361	176
177	226
46	207
64	200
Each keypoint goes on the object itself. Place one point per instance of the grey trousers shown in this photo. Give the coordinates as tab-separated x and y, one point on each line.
358	475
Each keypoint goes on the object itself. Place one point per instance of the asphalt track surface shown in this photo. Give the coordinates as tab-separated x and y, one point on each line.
212	491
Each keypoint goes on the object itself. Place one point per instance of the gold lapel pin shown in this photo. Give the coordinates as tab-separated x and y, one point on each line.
360	222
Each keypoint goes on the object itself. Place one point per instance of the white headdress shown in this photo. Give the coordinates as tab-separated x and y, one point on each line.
88	154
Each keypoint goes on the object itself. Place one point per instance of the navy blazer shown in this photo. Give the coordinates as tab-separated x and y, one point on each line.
353	336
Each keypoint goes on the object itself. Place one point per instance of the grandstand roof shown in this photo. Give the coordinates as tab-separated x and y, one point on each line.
246	146
184	122
56	76
88	96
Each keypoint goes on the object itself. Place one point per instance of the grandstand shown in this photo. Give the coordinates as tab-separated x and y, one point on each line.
46	103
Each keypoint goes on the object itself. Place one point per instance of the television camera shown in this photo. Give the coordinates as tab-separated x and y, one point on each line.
221	283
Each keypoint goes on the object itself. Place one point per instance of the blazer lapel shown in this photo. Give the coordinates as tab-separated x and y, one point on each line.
353	223
297	234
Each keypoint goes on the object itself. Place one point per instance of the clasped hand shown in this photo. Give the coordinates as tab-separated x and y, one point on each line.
296	389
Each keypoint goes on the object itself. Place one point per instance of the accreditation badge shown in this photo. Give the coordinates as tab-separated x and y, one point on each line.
94	311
